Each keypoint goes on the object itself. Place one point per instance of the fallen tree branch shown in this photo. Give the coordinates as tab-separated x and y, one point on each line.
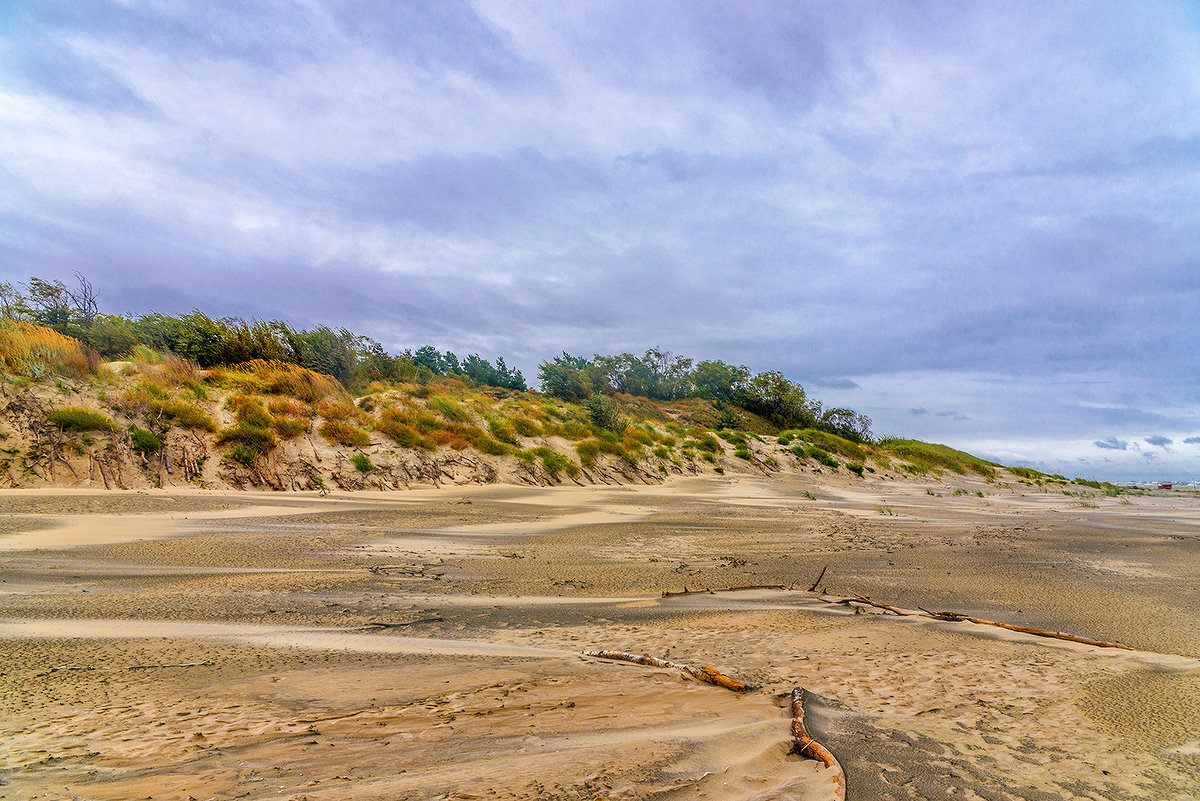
709	675
806	745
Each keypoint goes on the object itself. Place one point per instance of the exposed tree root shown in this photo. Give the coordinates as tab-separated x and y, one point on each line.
806	745
709	675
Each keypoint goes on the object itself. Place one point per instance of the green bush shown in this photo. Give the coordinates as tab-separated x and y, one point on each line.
743	452
856	468
76	419
604	413
661	452
362	463
145	441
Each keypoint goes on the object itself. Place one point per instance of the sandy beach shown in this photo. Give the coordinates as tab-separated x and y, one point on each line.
427	644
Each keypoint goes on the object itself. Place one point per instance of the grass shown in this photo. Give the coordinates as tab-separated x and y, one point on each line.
362	463
336	432
926	457
76	419
282	378
38	352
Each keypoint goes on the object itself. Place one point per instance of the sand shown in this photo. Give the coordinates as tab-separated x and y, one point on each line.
427	644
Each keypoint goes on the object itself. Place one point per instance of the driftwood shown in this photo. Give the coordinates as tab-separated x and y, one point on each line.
709	675
57	668
820	576
956	617
806	745
686	591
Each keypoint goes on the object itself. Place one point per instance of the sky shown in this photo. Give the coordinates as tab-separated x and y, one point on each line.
978	223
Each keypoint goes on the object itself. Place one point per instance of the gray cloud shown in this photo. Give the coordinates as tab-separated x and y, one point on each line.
1111	443
1159	441
1192	441
988	209
833	383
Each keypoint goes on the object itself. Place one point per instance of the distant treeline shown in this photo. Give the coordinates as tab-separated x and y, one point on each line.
356	360
660	375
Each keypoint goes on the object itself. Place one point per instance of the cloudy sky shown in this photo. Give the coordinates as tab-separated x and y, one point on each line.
977	222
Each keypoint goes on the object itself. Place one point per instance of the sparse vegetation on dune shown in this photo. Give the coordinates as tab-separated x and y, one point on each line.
191	387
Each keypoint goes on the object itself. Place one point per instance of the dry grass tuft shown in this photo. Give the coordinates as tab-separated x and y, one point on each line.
35	351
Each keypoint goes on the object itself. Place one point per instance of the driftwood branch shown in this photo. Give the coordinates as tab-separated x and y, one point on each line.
956	617
820	576
806	745
709	675
686	591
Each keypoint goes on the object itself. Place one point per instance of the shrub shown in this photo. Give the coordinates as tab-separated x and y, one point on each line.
856	468
709	457
661	452
742	452
362	463
76	419
336	432
145	441
604	413
728	418
35	351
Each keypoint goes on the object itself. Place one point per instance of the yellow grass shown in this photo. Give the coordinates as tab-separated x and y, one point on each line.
35	351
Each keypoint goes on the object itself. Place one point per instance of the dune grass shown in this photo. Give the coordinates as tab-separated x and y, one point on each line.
35	351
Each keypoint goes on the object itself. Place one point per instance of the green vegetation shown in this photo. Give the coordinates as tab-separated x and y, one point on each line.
925	457
76	419
145	441
361	463
279	383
